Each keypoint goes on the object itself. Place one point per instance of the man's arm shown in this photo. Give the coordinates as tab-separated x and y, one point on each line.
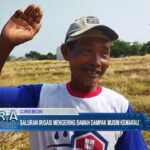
5	50
131	140
22	96
20	28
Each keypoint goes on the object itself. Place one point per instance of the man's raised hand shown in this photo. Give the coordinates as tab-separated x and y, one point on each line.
22	26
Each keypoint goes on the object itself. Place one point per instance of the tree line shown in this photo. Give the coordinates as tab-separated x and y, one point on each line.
34	55
37	56
119	48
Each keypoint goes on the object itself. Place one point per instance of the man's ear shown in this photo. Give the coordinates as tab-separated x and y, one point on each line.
65	51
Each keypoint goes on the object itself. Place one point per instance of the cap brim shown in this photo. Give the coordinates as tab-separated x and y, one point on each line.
112	35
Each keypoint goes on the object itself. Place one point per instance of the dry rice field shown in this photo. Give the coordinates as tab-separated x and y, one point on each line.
129	76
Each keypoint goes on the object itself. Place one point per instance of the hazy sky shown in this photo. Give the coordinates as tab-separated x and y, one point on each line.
129	18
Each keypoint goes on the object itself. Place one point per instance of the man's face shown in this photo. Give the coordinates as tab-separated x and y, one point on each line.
89	60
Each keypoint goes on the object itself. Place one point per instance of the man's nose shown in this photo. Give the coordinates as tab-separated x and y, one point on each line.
96	60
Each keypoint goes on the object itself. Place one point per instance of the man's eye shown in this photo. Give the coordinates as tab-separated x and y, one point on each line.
85	52
105	54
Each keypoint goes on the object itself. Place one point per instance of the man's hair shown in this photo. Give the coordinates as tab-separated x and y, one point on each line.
71	44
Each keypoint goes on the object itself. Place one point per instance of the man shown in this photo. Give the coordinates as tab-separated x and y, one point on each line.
87	48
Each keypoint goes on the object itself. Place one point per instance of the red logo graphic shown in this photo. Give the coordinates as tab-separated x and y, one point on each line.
88	142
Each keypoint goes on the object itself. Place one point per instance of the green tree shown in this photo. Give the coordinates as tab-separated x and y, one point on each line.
120	48
145	48
33	55
51	56
37	56
135	48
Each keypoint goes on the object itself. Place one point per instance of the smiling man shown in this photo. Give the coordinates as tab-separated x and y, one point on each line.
88	58
87	49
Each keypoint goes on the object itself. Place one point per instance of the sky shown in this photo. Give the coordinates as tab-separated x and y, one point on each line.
129	18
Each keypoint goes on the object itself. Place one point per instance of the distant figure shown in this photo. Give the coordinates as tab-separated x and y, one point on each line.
59	55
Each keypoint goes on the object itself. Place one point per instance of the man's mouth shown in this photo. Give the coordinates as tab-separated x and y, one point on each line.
92	71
